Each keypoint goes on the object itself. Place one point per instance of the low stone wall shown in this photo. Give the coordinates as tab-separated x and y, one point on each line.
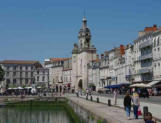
85	114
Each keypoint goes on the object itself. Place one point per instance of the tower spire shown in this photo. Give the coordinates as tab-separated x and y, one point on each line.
84	14
84	26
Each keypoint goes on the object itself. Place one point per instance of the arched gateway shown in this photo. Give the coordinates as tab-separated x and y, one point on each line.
80	84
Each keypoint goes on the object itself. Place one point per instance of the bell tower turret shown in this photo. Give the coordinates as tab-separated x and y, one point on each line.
84	36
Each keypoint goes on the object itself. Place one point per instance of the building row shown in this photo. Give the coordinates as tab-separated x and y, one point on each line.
137	62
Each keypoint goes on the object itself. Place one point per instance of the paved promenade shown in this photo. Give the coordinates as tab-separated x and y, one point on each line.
110	113
155	109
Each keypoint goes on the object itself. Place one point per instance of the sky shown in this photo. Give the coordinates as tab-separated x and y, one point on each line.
40	29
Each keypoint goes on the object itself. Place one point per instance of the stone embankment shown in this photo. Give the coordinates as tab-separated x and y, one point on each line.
98	112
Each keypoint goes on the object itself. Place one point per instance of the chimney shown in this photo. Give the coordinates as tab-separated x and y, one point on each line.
122	49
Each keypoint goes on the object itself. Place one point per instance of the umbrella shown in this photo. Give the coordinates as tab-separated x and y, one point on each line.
28	87
141	85
19	88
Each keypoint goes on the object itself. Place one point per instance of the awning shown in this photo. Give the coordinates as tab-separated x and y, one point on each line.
117	86
151	84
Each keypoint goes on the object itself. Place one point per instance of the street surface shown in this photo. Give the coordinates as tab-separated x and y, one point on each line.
153	104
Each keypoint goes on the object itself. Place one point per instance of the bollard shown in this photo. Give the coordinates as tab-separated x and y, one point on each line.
86	97
97	100
145	113
91	98
109	102
145	109
77	95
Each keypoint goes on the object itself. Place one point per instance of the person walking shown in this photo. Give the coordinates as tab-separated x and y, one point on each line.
115	96
149	118
127	104
136	104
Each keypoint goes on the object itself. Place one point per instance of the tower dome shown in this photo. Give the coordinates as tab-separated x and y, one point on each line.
84	31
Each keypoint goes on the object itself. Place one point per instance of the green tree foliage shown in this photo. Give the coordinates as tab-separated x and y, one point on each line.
1	73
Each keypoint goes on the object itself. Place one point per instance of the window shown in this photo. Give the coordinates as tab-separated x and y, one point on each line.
31	74
20	67
43	71
37	72
14	81
37	78
21	81
26	67
14	68
158	64
43	78
7	74
155	65
8	67
154	43
158	49
26	81
26	74
20	74
8	81
14	73
158	42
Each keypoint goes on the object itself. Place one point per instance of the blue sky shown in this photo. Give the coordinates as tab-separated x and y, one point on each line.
39	29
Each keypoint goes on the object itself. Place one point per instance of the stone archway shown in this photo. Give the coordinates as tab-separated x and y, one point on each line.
80	84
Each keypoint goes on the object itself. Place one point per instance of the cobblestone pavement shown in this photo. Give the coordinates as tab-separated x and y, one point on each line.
110	113
155	109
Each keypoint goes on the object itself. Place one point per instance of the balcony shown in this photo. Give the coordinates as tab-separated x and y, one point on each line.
145	44
147	56
145	70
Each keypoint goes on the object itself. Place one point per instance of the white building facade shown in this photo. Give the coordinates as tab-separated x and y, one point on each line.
94	75
42	77
67	72
55	66
124	66
157	55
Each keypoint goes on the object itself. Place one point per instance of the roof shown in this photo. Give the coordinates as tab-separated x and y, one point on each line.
59	59
18	62
95	60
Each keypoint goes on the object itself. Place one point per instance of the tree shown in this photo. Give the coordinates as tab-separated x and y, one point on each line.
1	73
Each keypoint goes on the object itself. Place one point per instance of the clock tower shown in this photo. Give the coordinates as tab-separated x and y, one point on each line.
82	54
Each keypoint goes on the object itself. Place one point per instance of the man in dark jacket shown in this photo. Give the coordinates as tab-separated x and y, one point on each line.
127	105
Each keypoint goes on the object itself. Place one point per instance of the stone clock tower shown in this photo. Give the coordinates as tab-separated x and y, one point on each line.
82	54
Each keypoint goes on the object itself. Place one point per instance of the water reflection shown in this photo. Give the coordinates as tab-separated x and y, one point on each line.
14	115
